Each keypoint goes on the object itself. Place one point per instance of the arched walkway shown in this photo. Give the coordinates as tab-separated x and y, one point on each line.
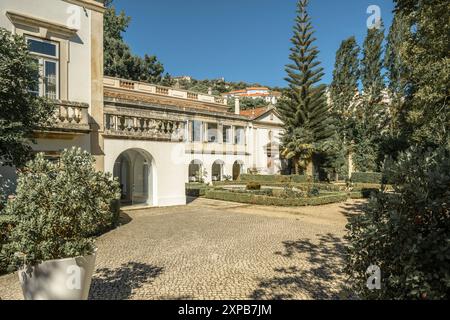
217	170
135	170
238	169
196	171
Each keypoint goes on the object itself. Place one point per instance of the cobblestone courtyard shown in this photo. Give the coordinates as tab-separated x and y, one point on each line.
219	250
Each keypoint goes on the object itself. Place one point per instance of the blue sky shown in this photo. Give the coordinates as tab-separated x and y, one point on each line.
246	40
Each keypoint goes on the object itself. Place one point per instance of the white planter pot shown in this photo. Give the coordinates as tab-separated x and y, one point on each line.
65	279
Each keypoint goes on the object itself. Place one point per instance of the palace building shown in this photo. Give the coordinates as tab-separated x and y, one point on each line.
154	139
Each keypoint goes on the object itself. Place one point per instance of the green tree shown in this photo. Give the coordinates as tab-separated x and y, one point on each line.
118	58
395	140
372	111
248	103
344	87
398	34
304	106
343	93
426	54
21	112
406	233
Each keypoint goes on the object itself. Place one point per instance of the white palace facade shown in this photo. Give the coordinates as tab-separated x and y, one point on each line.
154	139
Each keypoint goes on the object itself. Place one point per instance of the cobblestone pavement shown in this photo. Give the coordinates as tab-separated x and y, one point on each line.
218	250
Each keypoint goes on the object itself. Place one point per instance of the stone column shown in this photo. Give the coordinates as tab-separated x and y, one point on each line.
96	112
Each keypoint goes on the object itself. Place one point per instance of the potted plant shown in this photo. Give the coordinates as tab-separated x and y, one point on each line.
59	207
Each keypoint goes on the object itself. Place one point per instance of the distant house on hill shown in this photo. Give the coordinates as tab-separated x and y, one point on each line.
255	93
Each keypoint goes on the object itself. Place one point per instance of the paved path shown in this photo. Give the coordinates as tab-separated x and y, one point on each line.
219	250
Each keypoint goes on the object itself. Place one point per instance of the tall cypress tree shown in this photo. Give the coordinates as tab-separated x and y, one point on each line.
398	34
344	86
304	109
427	76
343	94
372	113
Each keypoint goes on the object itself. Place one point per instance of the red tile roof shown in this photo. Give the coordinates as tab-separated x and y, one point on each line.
254	113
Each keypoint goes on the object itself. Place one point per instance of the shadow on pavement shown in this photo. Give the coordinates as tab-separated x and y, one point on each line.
320	277
119	284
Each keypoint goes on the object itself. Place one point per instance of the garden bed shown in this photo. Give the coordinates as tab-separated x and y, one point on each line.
301	186
257	199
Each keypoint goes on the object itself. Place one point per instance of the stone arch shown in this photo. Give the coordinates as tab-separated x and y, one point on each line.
238	169
196	171
136	171
217	170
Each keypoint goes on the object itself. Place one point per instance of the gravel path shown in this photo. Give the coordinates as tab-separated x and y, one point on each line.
219	250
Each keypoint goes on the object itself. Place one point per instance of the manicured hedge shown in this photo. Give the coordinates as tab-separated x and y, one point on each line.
274	201
301	179
301	186
274	178
364	193
367	177
196	190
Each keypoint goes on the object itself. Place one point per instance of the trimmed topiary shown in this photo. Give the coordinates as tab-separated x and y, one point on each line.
59	207
253	186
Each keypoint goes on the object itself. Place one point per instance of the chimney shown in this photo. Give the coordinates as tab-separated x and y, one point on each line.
210	91
237	106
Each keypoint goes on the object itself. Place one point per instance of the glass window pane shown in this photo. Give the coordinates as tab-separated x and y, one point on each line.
50	80
212	132
227	134
41	47
239	137
196	131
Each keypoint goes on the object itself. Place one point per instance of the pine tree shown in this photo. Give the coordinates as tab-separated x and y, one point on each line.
304	109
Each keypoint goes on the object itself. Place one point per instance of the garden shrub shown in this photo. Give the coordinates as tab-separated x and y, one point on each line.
314	191
58	207
288	192
406	233
6	225
253	186
366	177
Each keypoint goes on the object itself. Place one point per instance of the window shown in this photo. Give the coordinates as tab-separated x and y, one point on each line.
46	54
212	131
196	131
239	136
227	134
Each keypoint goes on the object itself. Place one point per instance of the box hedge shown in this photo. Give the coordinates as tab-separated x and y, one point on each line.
274	178
301	186
274	201
367	177
196	190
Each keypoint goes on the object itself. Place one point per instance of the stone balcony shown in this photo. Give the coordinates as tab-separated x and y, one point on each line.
69	119
143	128
162	91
